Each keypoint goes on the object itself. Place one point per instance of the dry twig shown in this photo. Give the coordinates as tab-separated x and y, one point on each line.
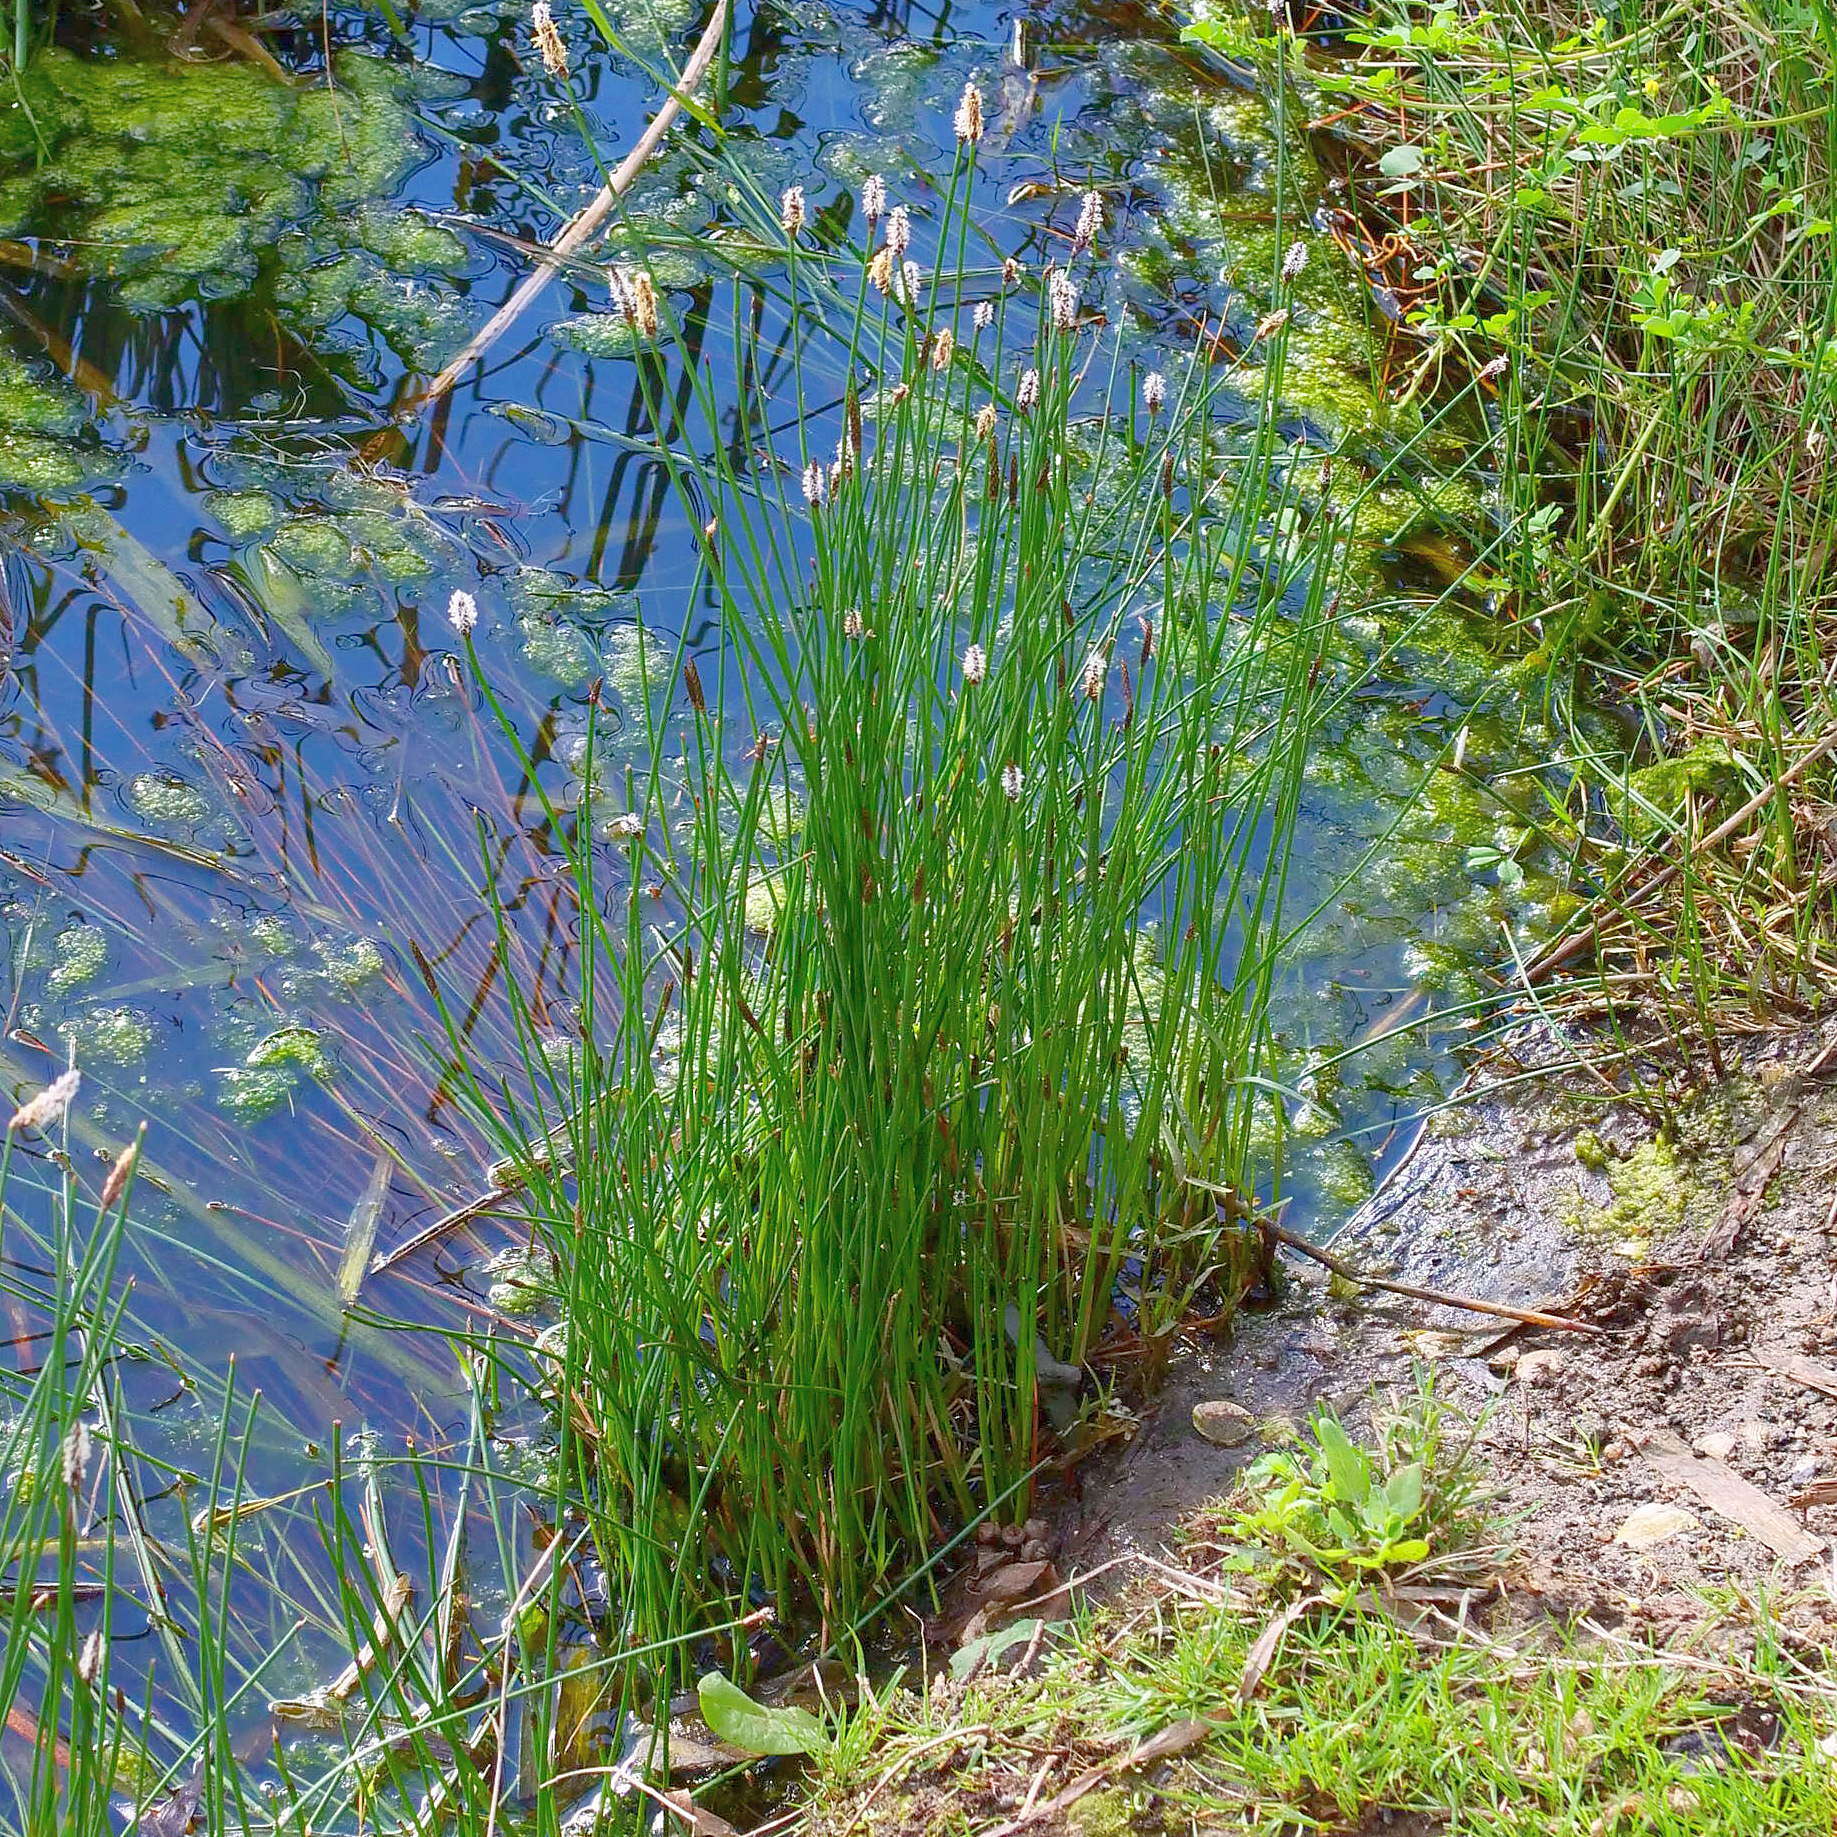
589	218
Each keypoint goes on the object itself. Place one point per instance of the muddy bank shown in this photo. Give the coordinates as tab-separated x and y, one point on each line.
1686	1443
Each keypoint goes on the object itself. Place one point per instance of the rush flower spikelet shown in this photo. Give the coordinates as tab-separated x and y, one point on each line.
549	44
48	1108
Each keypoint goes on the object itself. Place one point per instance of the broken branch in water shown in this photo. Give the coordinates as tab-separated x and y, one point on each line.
1529	1317
591	215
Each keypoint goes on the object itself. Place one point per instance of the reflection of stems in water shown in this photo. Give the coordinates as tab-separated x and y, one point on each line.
591	216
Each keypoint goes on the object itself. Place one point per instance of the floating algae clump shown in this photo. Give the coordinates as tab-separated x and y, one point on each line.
80	951
299	1046
349	966
557	648
313	545
42	424
596	334
272	1070
181	181
163	797
244	515
178	177
762	906
114	1036
781	816
635	662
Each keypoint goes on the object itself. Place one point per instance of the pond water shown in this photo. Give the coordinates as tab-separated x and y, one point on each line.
245	792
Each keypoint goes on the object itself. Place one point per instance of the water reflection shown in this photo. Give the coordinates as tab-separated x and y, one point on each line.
235	741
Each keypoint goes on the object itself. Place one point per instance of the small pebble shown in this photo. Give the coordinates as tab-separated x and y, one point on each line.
1223	1423
1717	1446
1647	1525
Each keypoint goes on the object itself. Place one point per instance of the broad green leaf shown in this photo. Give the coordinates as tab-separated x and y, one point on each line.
1346	1466
1404	1491
1401	162
990	1647
737	1720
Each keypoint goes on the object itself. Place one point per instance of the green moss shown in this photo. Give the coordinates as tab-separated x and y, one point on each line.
80	953
1107	1813
1592	1152
1650	1193
1656	793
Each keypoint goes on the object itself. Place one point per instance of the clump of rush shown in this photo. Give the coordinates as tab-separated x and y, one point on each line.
872	1135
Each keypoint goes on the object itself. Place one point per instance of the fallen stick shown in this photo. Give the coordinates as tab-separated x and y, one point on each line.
506	1183
1529	1317
1571	947
589	218
447	1221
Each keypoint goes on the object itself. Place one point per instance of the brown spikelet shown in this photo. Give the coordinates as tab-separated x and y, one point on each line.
1014	483
118	1176
994	473
692	686
853	411
1148	643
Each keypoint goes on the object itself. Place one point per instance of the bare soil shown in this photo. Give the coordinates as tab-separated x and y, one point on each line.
1706	1255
